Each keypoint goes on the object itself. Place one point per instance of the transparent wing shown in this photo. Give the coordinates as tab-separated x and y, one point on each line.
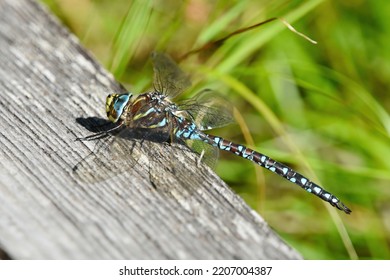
208	153
111	156
169	79
208	109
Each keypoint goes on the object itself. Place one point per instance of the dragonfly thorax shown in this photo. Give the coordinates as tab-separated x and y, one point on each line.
147	110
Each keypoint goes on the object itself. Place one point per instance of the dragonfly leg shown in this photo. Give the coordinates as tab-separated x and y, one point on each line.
99	135
200	158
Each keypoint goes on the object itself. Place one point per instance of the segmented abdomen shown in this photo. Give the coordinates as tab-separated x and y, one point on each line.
274	166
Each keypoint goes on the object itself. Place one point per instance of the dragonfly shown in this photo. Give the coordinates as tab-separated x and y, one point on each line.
187	121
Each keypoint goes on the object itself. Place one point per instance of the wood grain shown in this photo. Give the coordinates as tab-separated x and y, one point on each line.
157	203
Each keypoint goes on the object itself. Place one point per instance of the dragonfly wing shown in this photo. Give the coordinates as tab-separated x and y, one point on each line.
209	154
208	109
168	77
111	156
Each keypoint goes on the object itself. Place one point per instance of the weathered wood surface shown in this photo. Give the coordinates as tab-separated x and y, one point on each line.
162	207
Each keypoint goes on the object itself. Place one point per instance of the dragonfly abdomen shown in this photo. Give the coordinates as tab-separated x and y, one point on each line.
274	166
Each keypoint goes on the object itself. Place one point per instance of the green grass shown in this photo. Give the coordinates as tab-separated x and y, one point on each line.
322	109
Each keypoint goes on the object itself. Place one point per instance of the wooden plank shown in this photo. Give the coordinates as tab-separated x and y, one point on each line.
157	204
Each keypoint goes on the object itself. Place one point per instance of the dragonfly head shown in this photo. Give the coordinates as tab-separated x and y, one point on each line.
116	104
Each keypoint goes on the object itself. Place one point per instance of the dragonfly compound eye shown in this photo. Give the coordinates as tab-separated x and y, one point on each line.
115	105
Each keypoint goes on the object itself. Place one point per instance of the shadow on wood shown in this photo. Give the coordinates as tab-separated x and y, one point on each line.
160	205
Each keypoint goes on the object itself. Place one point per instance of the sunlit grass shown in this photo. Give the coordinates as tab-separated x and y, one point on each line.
322	109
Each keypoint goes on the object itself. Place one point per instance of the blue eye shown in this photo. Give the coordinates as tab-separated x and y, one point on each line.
120	103
116	104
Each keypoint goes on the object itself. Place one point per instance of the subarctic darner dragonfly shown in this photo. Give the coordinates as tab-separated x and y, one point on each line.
187	121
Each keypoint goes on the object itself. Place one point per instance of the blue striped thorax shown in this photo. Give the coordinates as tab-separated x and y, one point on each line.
116	104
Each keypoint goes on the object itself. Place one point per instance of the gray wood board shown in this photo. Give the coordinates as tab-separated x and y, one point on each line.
158	203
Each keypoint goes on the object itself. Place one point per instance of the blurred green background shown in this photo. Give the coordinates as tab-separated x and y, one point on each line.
322	109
